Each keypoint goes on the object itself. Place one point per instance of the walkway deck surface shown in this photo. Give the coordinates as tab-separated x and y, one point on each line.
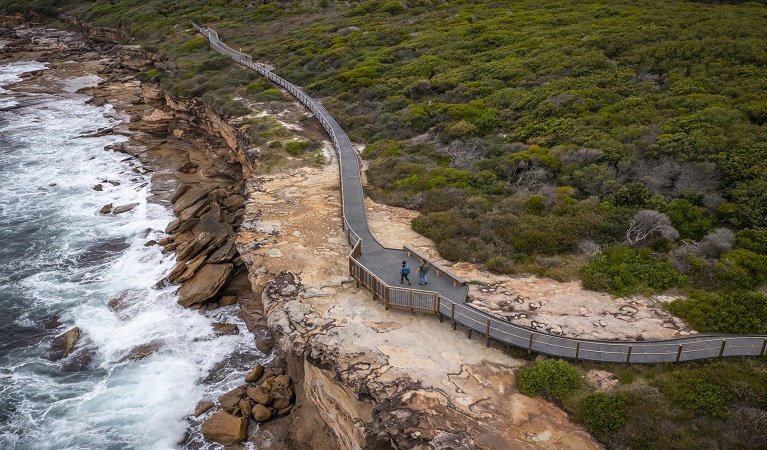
384	263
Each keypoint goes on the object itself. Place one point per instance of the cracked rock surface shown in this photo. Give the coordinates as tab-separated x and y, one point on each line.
377	378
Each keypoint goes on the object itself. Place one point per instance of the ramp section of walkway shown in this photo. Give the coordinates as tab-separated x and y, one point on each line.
377	268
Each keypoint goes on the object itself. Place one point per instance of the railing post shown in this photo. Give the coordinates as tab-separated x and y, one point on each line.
436	310
679	353
487	333
410	300
530	345
628	356
577	350
721	350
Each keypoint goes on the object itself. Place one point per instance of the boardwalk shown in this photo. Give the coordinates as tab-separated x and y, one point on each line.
377	268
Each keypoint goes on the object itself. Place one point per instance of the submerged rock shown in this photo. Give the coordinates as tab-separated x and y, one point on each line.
224	329
202	407
64	344
124	208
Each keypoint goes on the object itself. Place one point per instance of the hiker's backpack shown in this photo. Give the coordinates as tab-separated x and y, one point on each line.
406	270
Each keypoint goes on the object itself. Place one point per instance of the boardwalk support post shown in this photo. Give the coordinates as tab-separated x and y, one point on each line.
679	353
487	333
721	350
577	350
452	315
470	330
764	344
628	356
530	345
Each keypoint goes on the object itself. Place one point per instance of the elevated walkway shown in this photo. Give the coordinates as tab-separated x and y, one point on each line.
377	268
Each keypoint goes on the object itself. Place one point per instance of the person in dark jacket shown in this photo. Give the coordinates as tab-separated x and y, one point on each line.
404	271
423	269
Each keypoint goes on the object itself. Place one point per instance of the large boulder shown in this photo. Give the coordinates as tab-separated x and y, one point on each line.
64	344
225	253
189	198
259	395
192	210
232	398
260	413
225	428
254	374
204	285
282	391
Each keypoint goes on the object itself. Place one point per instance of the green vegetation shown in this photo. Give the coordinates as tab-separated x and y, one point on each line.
706	404
604	414
552	378
624	142
559	138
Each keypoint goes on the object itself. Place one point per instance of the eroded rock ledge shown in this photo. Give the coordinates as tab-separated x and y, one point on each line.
377	378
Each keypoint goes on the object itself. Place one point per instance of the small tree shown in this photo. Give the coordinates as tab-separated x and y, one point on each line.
648	223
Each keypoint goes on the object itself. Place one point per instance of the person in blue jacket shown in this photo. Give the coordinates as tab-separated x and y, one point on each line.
404	271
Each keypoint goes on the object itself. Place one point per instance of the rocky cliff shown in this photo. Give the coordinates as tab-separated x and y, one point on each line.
364	377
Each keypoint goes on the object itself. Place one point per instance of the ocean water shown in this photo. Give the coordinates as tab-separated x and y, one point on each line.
61	262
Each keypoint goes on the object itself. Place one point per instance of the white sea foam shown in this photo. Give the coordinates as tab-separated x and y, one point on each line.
74	261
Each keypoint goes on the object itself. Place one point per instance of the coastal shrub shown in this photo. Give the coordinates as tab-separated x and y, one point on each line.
688	219
723	312
754	239
740	269
621	271
553	379
383	148
604	414
703	397
150	76
295	148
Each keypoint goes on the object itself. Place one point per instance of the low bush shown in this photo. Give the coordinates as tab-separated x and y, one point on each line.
621	271
296	148
553	379
603	414
703	397
723	312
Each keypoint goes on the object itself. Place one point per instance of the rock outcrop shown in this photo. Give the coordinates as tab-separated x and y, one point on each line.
64	344
272	395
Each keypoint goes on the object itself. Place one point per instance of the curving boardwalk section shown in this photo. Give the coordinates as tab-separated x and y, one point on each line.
377	268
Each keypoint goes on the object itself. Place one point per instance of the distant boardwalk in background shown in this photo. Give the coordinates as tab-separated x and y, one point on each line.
377	268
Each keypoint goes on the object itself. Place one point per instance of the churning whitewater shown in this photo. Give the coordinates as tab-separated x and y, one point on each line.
61	262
